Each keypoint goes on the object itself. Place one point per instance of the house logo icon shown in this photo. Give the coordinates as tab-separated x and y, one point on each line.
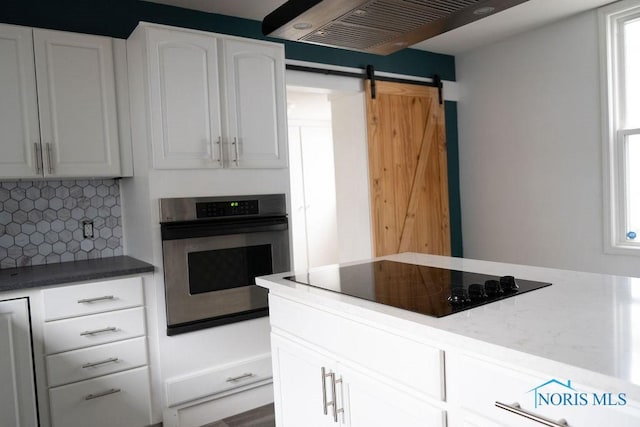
557	393
539	394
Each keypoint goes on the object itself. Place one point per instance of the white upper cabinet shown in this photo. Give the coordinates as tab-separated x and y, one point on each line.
214	101
19	131
77	104
255	89
185	100
58	113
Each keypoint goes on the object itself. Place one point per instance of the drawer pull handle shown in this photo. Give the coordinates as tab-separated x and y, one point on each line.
103	393
90	300
241	377
99	331
102	362
516	409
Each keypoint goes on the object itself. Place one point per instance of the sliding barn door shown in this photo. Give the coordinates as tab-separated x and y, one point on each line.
408	170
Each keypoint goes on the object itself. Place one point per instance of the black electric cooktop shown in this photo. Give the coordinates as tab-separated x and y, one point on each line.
426	290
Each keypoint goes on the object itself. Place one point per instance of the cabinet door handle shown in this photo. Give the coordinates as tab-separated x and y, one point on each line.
96	299
37	154
49	157
102	362
99	331
211	150
516	409
325	403
240	377
102	393
336	411
235	146
219	142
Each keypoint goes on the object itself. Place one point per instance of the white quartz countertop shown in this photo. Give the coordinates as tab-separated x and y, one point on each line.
584	320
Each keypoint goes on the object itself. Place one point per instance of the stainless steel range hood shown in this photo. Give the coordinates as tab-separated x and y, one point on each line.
374	26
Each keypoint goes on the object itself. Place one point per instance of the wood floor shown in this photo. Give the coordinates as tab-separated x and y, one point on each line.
259	417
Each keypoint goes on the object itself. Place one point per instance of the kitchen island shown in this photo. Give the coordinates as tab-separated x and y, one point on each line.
568	351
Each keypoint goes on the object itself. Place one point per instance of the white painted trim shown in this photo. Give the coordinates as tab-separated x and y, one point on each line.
213	408
123	110
212	382
323	83
450	89
609	19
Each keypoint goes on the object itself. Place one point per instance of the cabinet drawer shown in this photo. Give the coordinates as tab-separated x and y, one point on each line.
476	385
400	359
120	399
218	380
78	365
91	298
81	332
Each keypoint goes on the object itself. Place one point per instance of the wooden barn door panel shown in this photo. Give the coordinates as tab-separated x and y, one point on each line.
408	170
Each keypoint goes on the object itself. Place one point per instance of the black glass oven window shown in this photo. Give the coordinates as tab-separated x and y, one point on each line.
228	268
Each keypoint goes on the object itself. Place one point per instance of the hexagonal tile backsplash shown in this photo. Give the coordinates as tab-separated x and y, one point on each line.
41	221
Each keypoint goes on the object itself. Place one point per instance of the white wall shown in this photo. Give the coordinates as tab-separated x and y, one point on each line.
348	117
313	220
530	150
352	176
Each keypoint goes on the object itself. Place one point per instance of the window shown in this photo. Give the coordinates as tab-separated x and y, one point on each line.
620	33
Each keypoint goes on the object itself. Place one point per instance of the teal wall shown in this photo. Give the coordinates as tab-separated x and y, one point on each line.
118	18
453	175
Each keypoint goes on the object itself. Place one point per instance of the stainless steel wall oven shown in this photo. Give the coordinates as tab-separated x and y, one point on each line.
213	248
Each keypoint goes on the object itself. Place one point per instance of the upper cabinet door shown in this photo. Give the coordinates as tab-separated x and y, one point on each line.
255	90
18	104
77	104
184	100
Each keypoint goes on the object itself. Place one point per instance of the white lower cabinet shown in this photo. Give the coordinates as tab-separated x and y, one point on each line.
120	399
334	367
476	389
86	331
85	363
372	403
96	354
301	392
17	399
313	389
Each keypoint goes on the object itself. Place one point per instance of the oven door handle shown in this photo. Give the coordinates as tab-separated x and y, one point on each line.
221	227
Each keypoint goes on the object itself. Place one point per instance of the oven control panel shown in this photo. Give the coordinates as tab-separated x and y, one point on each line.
226	208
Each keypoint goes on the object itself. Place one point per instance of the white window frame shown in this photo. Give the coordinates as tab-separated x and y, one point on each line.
611	19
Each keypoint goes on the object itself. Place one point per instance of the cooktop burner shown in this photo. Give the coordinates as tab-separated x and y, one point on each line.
426	290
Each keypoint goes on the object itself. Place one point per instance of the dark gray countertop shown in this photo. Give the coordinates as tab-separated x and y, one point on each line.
12	279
